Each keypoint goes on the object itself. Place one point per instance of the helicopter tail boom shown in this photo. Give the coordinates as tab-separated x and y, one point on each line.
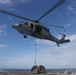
59	41
64	41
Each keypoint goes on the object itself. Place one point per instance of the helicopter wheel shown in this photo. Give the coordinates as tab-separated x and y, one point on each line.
25	36
57	44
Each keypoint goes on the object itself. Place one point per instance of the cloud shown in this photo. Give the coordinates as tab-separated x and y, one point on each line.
71	6
69	9
13	1
72	37
2	30
23	61
3	45
51	57
6	1
59	58
10	4
23	1
72	9
44	42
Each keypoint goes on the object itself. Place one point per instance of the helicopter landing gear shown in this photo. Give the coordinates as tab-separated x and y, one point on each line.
57	44
25	36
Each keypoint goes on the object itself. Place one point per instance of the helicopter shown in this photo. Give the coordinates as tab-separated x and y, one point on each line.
35	28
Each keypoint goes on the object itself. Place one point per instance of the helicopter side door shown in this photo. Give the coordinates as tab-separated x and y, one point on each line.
25	25
45	32
32	27
38	29
29	26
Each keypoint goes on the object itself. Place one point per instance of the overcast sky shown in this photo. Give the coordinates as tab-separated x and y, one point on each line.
16	52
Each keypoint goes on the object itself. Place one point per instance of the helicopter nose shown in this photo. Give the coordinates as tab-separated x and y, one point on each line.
14	26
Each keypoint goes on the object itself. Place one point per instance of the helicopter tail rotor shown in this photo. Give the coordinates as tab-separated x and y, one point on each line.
63	35
63	40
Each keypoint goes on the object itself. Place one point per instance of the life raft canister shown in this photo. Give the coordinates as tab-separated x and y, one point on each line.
41	69
34	69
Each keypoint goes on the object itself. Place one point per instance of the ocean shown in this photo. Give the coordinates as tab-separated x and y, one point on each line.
47	70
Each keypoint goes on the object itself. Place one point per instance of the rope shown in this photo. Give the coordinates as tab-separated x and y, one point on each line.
35	53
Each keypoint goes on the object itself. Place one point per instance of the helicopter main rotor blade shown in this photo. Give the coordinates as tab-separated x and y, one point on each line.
50	10
54	25
57	26
5	12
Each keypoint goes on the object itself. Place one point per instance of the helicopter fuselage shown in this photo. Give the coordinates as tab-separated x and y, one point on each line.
37	30
32	29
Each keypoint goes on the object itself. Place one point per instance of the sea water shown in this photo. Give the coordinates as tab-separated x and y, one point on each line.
47	70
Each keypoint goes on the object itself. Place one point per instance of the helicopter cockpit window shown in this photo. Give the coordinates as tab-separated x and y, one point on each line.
20	25
46	29
31	25
26	23
38	29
